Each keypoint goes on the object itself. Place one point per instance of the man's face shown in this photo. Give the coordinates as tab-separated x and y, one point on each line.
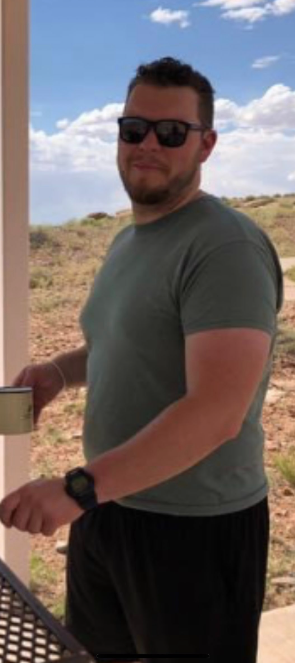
153	174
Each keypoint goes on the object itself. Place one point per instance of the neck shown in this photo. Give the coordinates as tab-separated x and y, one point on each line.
149	213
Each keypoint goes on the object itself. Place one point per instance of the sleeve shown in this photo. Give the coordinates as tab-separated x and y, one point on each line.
234	286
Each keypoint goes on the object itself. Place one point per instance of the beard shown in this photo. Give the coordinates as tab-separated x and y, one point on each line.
144	194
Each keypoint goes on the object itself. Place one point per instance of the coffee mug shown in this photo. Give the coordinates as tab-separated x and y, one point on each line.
16	410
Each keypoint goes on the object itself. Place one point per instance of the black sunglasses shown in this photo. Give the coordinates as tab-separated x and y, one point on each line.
170	133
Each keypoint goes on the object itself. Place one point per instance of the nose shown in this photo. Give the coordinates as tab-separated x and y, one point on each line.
150	141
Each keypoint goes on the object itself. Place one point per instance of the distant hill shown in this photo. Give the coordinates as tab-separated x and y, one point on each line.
275	214
85	241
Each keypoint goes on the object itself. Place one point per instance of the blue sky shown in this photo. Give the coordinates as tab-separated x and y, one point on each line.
83	54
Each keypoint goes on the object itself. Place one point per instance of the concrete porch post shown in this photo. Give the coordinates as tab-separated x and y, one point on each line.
14	225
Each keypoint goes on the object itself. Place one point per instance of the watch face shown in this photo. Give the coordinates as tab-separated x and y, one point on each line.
80	484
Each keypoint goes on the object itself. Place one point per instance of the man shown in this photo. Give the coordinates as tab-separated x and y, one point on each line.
169	542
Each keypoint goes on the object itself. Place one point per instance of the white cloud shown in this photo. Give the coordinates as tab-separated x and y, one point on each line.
281	7
60	195
62	124
251	162
263	63
74	172
228	4
274	111
250	14
169	16
226	113
250	10
86	144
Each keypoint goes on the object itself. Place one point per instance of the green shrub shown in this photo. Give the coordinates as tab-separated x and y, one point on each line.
40	238
285	342
290	273
40	278
94	221
286	465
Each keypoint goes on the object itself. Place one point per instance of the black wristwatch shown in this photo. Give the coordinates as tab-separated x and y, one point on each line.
79	485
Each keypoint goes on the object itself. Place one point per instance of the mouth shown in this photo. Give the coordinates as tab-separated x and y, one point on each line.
146	166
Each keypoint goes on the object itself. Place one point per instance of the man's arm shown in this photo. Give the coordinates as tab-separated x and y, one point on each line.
224	368
73	366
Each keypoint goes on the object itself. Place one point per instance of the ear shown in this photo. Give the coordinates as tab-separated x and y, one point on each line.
209	139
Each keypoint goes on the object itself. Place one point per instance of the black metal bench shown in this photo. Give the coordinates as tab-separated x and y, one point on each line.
28	631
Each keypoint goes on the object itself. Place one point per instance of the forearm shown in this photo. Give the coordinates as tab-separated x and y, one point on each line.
180	437
73	366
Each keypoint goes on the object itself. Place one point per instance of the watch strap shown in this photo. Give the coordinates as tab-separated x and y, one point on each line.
87	499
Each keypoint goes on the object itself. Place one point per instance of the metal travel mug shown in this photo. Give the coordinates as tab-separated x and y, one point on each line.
16	410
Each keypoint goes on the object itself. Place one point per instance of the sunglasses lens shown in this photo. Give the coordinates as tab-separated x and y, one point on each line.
171	133
133	130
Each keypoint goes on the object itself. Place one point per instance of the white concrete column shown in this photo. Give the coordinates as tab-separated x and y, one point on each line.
14	226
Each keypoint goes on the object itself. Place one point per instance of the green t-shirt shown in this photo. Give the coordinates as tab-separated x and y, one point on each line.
205	266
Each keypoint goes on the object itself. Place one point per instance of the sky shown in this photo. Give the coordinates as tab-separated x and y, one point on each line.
83	54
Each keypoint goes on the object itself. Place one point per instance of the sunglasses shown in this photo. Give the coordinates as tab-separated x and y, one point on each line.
170	133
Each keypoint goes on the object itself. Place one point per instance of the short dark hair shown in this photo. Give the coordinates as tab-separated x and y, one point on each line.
168	72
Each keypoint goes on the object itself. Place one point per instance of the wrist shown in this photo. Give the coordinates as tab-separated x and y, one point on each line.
61	373
80	486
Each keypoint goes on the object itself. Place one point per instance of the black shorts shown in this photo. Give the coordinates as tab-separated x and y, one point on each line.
144	584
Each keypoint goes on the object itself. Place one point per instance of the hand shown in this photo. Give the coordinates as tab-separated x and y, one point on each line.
45	381
39	507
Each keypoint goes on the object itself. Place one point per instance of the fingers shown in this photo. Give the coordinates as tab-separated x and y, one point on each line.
25	515
24	378
48	528
19	380
29	519
39	507
20	517
8	507
36	411
35	522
